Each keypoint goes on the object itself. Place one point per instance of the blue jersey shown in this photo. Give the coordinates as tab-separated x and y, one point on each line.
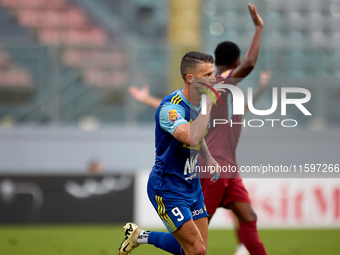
174	169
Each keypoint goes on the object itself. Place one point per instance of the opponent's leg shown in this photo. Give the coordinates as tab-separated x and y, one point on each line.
240	248
248	230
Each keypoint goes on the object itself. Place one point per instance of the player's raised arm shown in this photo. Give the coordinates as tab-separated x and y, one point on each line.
250	58
143	95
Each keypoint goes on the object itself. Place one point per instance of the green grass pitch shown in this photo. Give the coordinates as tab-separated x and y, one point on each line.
105	240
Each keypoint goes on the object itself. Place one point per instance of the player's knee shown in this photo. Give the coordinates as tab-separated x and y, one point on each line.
200	250
249	216
253	216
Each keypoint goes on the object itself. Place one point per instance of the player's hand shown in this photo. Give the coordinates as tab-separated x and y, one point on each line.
255	16
211	101
265	78
140	94
215	168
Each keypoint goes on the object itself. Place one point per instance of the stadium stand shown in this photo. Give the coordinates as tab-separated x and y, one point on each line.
101	47
75	60
300	40
12	74
290	25
59	23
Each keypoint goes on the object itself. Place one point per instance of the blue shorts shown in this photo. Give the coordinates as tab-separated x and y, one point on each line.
174	211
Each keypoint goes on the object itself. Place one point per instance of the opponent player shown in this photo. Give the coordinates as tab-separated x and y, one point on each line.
173	187
229	192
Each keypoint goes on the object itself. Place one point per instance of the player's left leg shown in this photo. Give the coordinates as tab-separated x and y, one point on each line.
134	236
240	248
202	225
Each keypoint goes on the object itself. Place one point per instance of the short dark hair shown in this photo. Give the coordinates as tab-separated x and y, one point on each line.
226	53
192	59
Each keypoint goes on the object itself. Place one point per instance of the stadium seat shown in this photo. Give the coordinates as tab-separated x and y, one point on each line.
229	20
231	35
49	36
9	3
76	18
59	23
72	57
40	4
15	77
54	4
68	18
101	59
52	19
296	20
105	79
336	39
315	5
275	39
28	18
316	38
274	20
315	21
335	24
297	39
98	36
4	60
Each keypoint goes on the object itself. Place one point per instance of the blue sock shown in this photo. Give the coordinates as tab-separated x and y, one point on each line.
166	242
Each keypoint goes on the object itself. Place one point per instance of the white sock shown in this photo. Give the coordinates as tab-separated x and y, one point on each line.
143	237
241	250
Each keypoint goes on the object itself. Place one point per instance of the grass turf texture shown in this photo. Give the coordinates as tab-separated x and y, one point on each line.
105	240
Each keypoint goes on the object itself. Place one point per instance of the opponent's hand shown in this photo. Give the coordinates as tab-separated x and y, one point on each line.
265	78
140	94
214	165
255	16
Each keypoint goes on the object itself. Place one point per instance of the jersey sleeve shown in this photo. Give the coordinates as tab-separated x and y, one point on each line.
171	116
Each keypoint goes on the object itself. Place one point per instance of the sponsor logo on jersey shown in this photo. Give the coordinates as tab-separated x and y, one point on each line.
173	115
226	74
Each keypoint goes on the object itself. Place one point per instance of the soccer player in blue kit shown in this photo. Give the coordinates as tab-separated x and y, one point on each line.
174	188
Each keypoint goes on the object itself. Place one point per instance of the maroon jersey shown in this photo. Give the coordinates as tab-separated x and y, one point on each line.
223	138
222	143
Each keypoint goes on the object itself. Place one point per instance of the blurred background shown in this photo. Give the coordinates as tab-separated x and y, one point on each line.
69	62
67	118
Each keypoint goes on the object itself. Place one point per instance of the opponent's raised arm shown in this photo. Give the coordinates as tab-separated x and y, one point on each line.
143	95
250	58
